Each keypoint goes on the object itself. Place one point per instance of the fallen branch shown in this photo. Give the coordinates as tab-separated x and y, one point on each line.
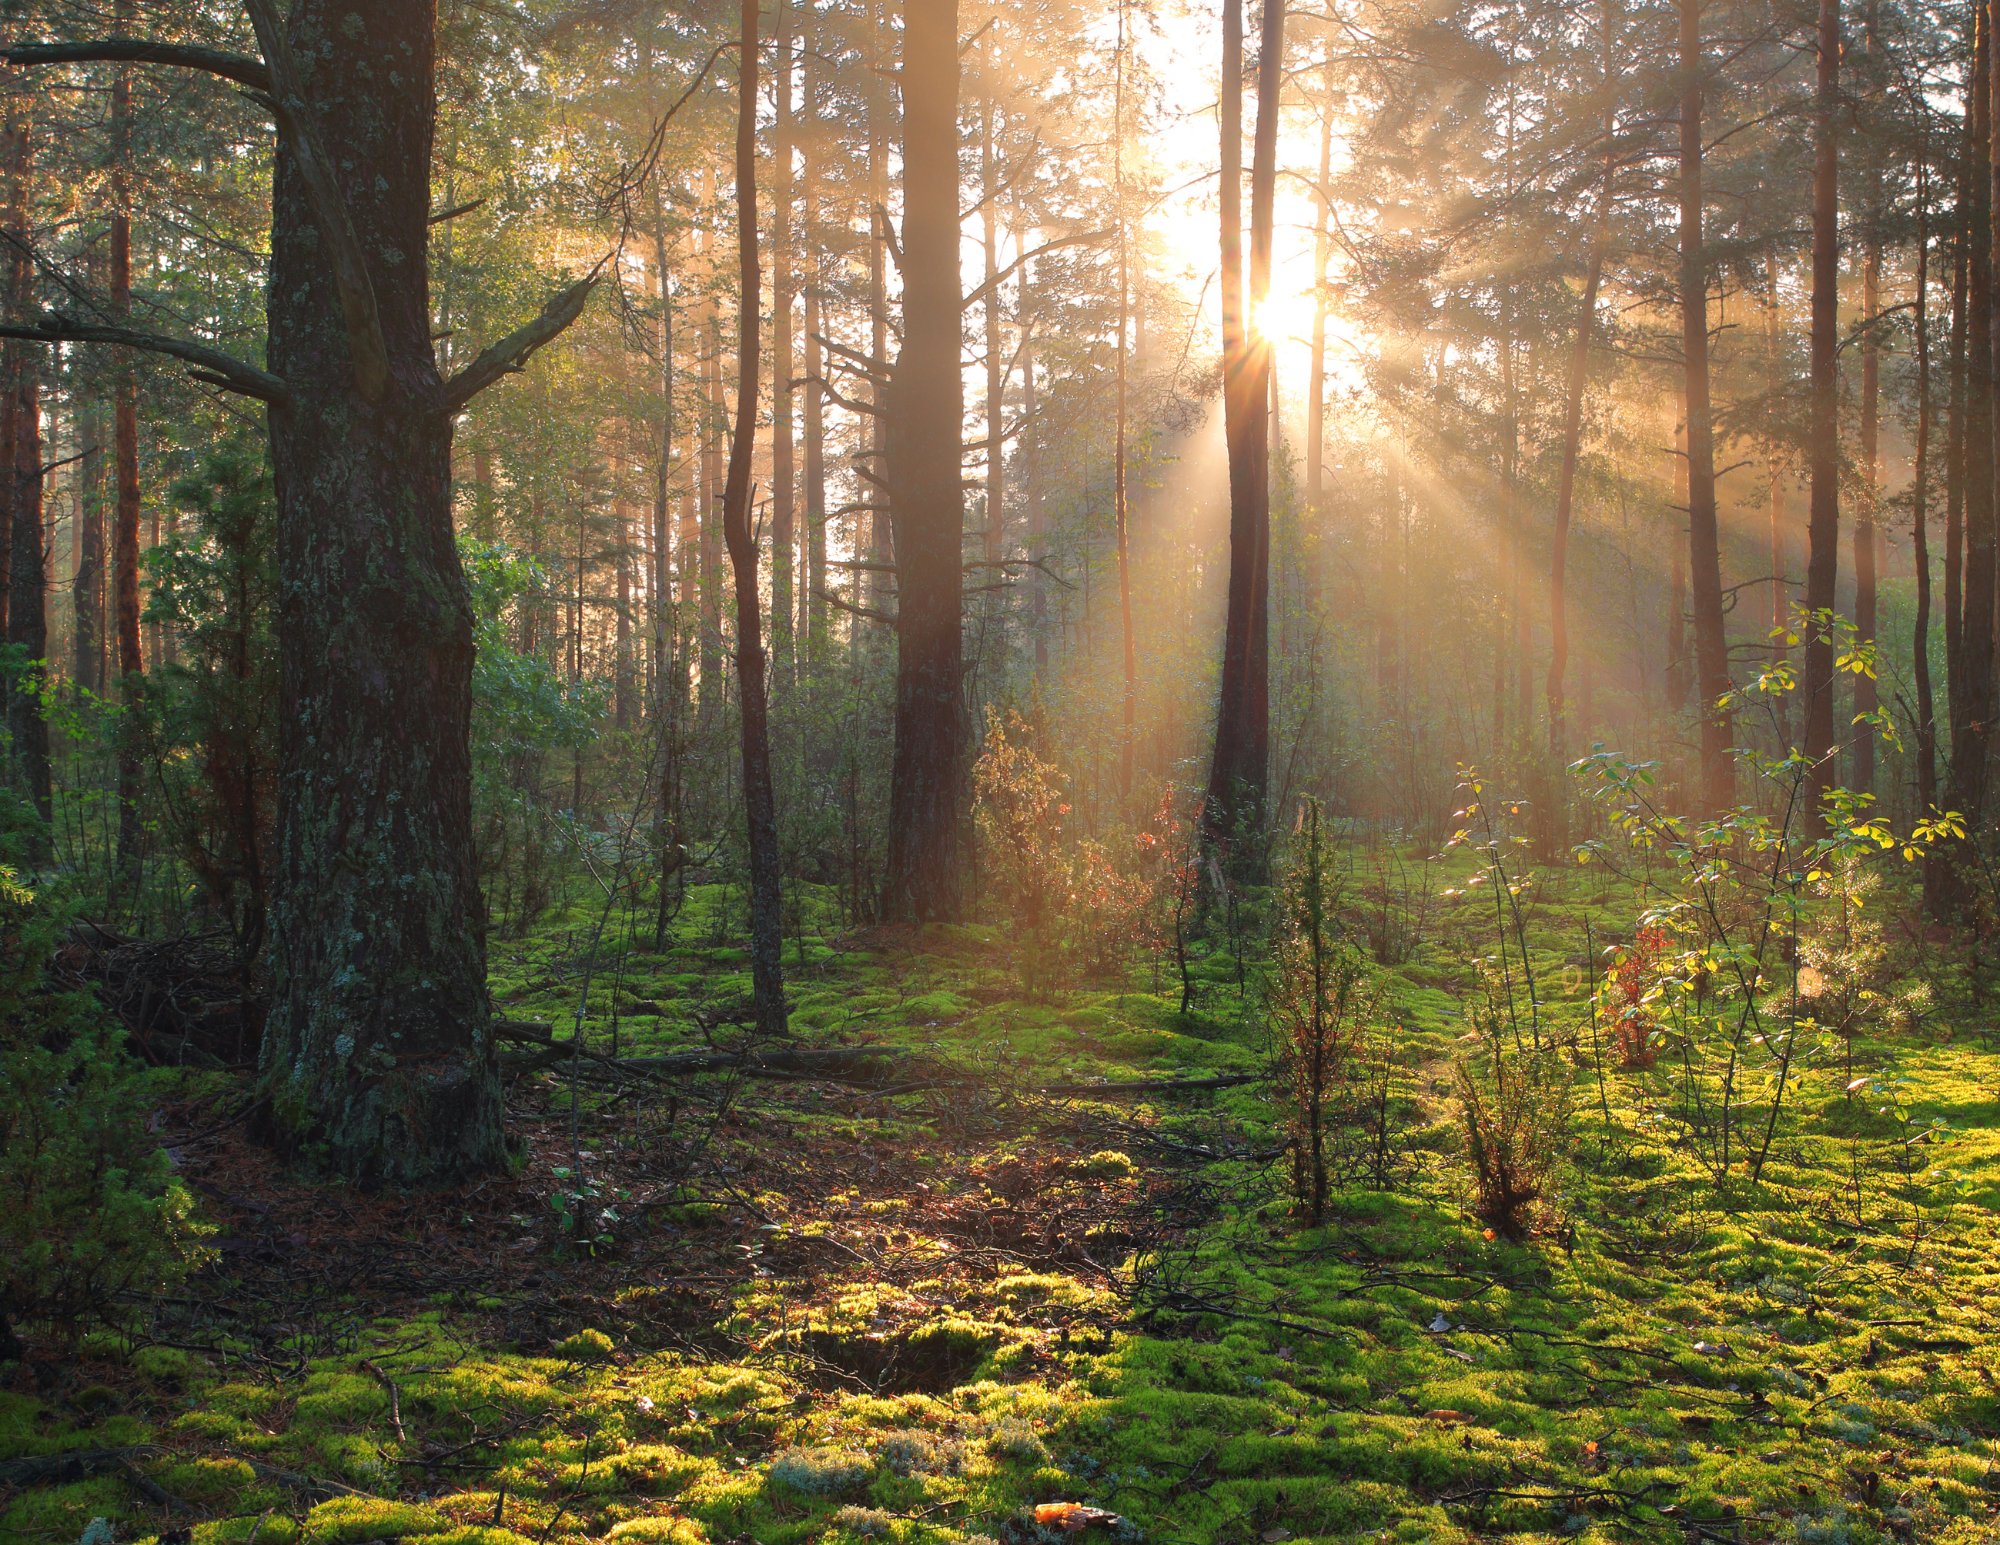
1132	1090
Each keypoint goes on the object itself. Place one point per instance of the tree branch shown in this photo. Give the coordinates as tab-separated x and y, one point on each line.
330	213
513	351
1025	258
240	68
215	366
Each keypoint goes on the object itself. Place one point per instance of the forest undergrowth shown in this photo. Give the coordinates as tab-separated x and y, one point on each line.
937	1289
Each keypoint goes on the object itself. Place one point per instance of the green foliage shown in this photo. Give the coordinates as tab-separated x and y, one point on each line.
1321	1002
89	1208
520	703
1515	1105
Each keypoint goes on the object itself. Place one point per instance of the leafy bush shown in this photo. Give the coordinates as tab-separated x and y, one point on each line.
1071	908
89	1208
1515	1105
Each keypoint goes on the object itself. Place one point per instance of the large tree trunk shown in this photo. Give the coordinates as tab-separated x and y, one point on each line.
1823	436
926	499
378	1060
1711	645
759	800
1238	777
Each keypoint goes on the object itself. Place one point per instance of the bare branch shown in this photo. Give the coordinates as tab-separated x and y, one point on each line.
213	365
454	212
513	351
1008	272
849	606
350	271
240	68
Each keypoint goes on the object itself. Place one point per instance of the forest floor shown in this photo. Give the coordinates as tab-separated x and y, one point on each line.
798	1310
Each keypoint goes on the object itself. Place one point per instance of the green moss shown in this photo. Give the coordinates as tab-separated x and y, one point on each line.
586	1346
352	1520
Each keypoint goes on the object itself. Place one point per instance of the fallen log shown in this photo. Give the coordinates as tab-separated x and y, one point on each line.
842	1063
1133	1088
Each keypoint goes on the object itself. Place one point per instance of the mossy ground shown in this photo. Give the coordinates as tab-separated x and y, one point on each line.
820	1313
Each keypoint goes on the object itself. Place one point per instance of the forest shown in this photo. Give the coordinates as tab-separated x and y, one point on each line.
971	772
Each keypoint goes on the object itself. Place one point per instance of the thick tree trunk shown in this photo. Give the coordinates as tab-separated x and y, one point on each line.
1238	778
1711	644
925	495
378	1060
1823	436
759	800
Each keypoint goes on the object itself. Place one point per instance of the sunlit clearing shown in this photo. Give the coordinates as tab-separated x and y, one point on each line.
1284	317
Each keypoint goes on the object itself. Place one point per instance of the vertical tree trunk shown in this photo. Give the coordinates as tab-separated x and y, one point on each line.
378	1059
623	706
87	594
783	516
27	613
670	680
1322	250
926	499
759	800
1234	811
993	537
1973	687
1780	596
125	476
881	544
1920	646
1711	645
1129	718
815	394
1031	471
1823	442
1954	445
1579	367
709	498
1679	684
1866	532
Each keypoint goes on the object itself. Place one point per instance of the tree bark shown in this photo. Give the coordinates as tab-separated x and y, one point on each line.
1780	591
125	476
1322	250
1954	447
924	476
1121	510
1934	874
1711	645
378	1059
27	617
87	593
1823	440
759	799
1233	813
1973	686
783	485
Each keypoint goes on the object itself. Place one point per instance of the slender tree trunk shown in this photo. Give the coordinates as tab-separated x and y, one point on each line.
1920	646
27	612
378	1059
125	476
623	706
1238	776
709	499
1579	366
1322	251
1954	447
1711	644
1031	470
1129	726
783	515
87	594
759	800
1823	443
670	683
881	544
1679	684
815	393
926	496
1780	591
1974	683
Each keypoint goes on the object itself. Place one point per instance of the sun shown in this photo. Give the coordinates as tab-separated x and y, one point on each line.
1284	318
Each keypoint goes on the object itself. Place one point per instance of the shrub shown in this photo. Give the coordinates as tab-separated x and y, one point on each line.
1321	1001
1071	908
1629	993
90	1211
1515	1107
